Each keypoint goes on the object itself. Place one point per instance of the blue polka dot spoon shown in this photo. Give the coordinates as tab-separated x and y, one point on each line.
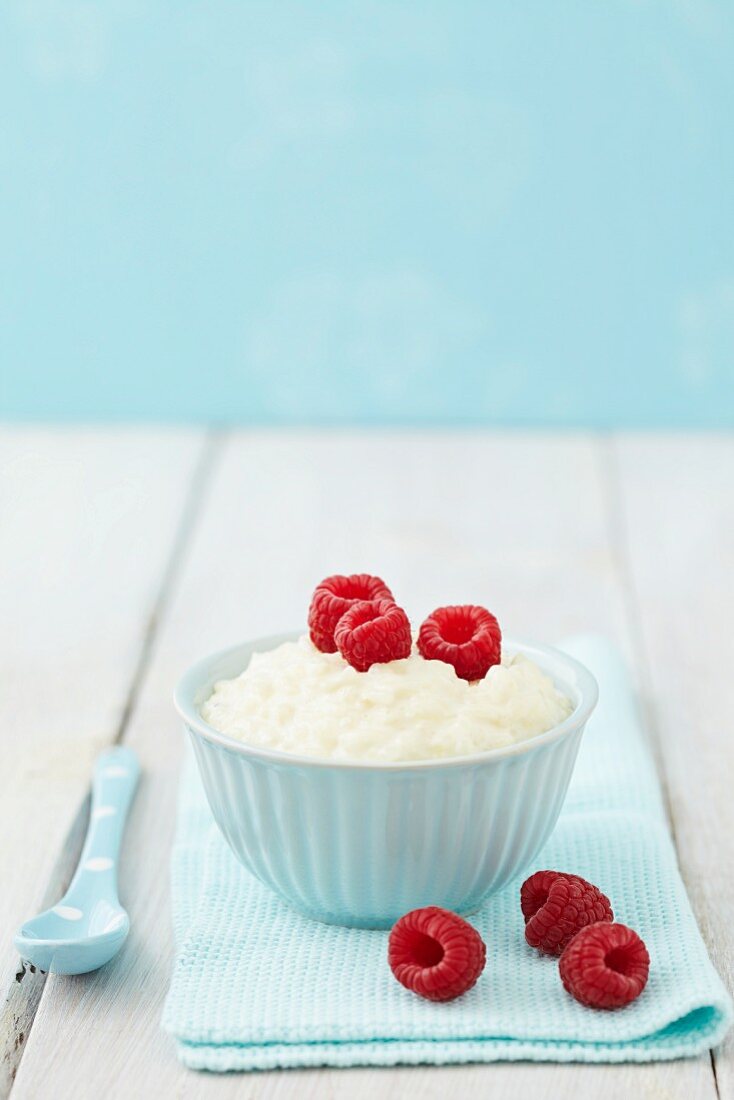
88	926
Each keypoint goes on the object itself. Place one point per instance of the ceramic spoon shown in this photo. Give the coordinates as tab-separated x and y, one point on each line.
88	926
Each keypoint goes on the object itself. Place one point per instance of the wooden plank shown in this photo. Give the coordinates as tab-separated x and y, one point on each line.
89	522
516	521
676	526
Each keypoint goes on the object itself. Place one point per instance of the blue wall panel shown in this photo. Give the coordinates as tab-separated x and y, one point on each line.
381	211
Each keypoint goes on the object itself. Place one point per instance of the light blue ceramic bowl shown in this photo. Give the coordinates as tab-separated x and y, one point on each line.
359	844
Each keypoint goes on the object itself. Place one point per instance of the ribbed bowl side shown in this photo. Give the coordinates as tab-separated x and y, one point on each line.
361	846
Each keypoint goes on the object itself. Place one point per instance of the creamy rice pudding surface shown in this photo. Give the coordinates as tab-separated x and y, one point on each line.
297	699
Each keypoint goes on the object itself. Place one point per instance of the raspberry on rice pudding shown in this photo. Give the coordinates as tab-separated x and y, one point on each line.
360	687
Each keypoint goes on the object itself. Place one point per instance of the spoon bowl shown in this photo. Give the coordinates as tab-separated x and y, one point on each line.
68	940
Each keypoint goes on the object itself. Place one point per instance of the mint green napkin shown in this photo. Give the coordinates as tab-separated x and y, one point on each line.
256	986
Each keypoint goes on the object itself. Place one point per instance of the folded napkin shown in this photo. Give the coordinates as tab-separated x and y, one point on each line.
257	986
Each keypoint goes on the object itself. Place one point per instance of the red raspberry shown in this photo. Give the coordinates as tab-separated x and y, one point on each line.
556	906
466	637
373	634
333	597
436	953
605	966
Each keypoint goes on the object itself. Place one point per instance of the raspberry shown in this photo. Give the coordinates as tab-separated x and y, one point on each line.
333	597
436	953
373	633
605	966
466	637
556	906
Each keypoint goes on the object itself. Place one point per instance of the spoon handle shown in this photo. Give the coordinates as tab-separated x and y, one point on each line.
115	777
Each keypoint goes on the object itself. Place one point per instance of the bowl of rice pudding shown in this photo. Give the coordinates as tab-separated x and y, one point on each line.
357	794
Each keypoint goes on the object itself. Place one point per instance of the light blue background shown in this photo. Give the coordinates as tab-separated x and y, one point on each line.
512	213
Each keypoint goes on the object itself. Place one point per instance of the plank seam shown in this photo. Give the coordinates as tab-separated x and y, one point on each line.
202	476
712	1055
621	548
620	544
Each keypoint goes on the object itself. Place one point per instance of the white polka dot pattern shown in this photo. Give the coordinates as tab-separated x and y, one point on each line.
103	811
98	863
68	912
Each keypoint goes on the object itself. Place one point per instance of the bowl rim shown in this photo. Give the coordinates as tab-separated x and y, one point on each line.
198	673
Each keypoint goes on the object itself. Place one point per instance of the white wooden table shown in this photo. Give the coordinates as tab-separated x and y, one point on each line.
125	554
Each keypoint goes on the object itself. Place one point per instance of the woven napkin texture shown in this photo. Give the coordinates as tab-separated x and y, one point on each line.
257	986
